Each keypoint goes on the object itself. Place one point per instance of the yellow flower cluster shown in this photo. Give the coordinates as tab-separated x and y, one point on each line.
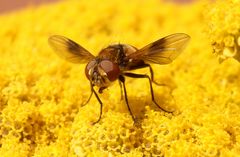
42	96
223	19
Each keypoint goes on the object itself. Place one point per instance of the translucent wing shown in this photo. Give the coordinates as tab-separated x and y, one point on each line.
162	51
69	50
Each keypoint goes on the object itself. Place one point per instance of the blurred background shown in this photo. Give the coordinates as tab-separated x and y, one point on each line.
7	6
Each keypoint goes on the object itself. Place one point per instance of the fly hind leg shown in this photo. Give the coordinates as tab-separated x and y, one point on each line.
152	76
133	75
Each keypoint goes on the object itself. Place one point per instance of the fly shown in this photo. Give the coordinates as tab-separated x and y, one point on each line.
116	62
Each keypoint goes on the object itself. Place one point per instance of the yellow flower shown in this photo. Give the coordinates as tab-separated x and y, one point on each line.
223	18
42	96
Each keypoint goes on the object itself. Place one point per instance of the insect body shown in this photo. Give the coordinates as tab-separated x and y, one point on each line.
117	61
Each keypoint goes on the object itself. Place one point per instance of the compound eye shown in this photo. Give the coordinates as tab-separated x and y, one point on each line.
90	66
111	69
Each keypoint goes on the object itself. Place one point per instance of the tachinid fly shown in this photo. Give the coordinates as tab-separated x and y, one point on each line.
116	62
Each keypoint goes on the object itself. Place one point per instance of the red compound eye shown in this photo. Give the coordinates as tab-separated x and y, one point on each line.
89	66
111	69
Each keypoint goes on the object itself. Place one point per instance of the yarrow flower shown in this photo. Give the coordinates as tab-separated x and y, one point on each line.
223	18
42	96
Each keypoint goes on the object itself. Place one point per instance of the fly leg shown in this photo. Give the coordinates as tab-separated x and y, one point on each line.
122	80
159	84
120	84
100	102
152	76
87	99
150	83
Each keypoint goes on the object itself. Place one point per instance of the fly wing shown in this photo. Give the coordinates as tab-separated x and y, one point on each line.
162	51
69	50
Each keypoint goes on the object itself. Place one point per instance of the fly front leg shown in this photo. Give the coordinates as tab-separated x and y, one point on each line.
150	83
89	98
122	80
100	102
